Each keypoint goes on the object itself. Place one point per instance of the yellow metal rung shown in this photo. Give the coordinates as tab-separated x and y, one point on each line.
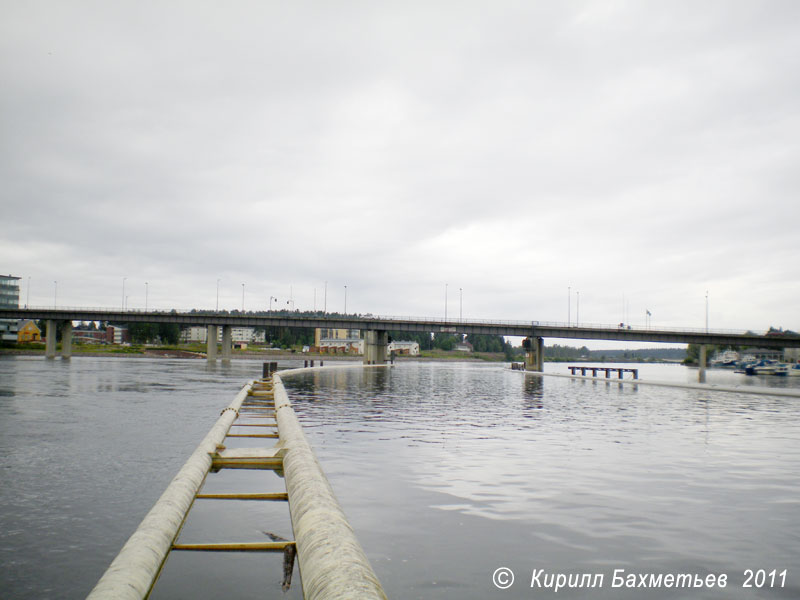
278	496
236	547
253	435
247	463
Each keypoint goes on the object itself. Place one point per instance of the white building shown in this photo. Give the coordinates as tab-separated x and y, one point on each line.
9	298
405	348
247	335
194	334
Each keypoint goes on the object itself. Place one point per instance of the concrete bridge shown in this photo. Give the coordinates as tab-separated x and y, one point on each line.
376	329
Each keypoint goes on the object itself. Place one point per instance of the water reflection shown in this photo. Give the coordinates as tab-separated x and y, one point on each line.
604	474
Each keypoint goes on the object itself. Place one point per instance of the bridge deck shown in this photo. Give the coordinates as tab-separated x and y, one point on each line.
414	324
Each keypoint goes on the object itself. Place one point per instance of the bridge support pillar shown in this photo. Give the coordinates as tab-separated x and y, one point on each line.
375	344
50	340
66	340
211	343
534	354
701	376
227	342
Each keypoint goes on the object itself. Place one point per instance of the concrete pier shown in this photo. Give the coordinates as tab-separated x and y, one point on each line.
211	343
375	345
50	339
534	354
66	339
701	375
227	342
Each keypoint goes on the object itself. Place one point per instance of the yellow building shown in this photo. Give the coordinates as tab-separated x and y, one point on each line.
327	335
29	332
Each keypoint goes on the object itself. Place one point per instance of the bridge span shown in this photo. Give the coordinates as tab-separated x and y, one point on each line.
377	328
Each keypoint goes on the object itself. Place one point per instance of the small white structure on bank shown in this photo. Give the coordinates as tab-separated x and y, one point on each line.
404	348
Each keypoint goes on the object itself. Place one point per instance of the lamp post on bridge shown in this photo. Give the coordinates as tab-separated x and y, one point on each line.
445	302
243	298
123	293
460	304
145	295
706	311
325	302
345	299
55	294
578	309
569	304
271	298
217	308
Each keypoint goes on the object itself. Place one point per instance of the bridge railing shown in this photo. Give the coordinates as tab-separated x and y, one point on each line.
389	319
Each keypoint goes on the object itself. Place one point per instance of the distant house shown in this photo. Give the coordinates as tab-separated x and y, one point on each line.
27	331
763	353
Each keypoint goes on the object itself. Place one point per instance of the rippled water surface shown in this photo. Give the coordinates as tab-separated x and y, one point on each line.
447	471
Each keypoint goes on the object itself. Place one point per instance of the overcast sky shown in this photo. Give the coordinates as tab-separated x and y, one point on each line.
640	150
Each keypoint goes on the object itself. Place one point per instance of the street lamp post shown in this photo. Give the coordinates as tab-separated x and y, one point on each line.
445	302
28	297
460	304
145	295
55	294
123	293
243	298
217	309
271	298
325	302
569	304
706	311
345	299
578	310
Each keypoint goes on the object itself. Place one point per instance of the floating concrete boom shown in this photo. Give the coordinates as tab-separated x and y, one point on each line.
332	563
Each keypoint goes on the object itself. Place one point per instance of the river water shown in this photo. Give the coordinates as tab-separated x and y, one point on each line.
447	471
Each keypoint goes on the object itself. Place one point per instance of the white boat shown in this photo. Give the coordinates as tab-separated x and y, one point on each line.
782	370
729	358
765	367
